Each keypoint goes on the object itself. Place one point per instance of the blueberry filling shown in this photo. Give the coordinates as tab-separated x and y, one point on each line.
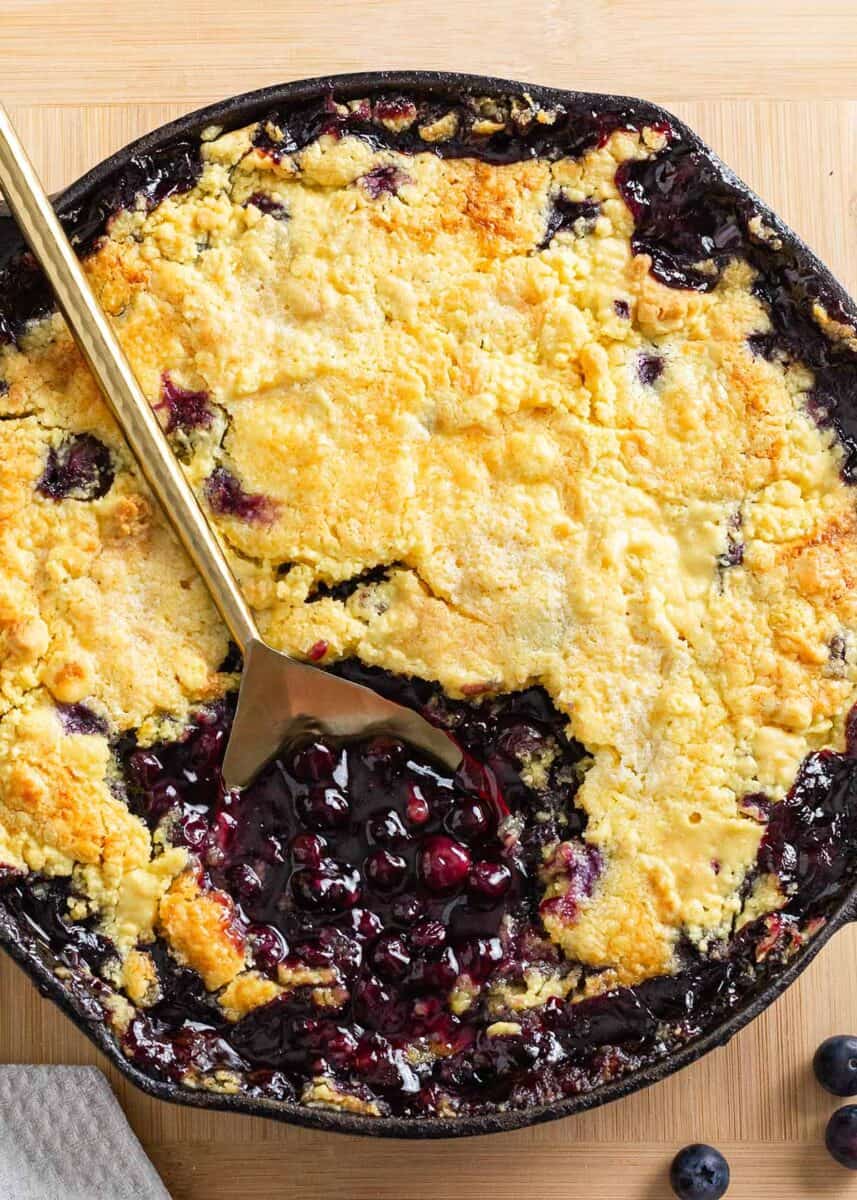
233	661
569	216
79	469
397	883
807	831
684	216
347	587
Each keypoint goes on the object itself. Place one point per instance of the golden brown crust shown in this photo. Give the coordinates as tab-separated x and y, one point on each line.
409	379
200	927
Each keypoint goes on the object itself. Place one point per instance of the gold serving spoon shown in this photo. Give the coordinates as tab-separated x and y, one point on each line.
280	700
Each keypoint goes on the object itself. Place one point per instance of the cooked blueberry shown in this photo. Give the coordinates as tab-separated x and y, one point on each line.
521	741
308	849
267	945
444	863
186	410
622	309
78	718
80	468
227	498
391	957
841	1136
245	882
377	1061
489	879
330	890
377	1006
387	829
385	871
145	766
268	205
313	762
469	820
160	799
365	924
428	936
417	808
339	1047
437	972
699	1172
407	909
384	180
384	755
324	807
478	957
649	368
398	110
835	1065
191	831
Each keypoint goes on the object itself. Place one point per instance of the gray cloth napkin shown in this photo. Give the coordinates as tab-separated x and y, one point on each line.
63	1136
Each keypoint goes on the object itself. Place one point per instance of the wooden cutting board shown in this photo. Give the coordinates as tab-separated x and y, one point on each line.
773	87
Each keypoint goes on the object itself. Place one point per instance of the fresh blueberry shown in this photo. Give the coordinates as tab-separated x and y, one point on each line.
841	1136
835	1065
699	1172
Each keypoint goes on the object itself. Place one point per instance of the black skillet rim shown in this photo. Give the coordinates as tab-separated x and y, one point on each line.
242	109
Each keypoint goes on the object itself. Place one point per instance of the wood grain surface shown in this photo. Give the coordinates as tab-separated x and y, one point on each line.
773	87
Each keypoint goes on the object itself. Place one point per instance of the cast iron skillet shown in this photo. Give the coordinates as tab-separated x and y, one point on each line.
84	207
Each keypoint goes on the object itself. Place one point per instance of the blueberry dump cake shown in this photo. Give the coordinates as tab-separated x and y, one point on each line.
524	417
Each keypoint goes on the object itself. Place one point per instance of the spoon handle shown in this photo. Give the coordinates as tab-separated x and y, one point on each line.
97	342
